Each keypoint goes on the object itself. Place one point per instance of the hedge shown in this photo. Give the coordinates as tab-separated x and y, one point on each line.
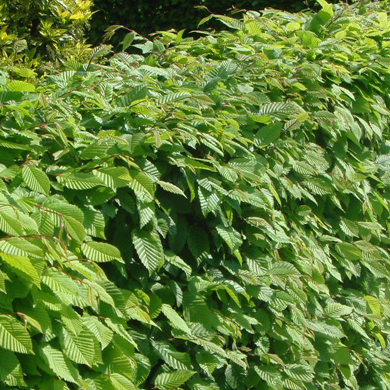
149	16
212	214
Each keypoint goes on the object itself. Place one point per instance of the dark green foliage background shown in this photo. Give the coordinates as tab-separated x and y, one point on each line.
149	16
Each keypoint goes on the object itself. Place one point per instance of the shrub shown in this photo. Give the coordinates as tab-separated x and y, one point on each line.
44	29
210	215
149	16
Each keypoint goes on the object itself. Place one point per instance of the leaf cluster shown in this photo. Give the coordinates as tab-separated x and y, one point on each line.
43	30
146	17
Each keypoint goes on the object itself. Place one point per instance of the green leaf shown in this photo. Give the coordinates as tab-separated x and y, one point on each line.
59	364
198	242
127	40
286	107
79	181
10	369
20	247
62	208
59	282
20	86
178	262
13	336
349	251
3	278
137	93
36	179
74	228
171	188
299	372
282	268
269	374
101	332
37	317
230	236
268	134
176	360
149	250
9	223
172	97
80	349
101	252
341	355
142	185
336	310
209	201
175	319
374	305
326	11
113	177
120	331
120	382
172	380
326	329
23	267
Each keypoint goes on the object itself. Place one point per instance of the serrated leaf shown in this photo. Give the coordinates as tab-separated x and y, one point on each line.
60	207
20	86
79	181
177	360
175	319
282	268
59	364
102	333
10	369
59	282
120	331
37	317
79	348
209	201
36	179
172	380
101	252
20	247
336	310
9	223
13	336
351	252
171	188
120	382
74	228
373	304
113	177
142	185
22	266
230	236
173	96
178	262
137	93
149	249
300	372
269	374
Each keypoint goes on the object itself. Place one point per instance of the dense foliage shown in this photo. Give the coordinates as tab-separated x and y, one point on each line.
149	16
213	214
32	31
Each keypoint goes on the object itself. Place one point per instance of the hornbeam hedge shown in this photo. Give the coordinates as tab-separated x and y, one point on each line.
211	214
148	16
